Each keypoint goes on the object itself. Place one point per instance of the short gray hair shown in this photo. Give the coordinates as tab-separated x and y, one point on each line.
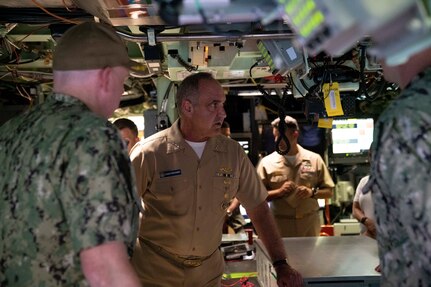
189	88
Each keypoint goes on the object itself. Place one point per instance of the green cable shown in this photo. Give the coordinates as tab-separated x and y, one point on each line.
237	275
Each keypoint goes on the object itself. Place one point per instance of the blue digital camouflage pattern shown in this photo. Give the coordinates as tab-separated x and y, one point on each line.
401	186
66	184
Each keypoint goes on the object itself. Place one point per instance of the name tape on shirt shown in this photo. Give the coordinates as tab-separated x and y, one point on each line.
169	173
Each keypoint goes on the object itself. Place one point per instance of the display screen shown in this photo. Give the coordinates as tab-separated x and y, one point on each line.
244	139
351	136
245	145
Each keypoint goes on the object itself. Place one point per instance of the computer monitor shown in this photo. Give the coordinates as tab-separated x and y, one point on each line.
245	143
244	139
350	140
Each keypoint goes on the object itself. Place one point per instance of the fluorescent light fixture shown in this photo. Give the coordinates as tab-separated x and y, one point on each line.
257	93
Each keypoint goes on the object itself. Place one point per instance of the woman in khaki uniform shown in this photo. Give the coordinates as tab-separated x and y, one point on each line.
294	182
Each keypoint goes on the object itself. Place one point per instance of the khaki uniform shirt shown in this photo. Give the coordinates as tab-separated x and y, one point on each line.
309	170
185	197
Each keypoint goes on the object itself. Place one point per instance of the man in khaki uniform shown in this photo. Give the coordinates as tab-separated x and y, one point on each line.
294	182
187	175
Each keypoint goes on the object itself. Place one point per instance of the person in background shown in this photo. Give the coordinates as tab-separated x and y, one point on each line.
312	138
294	182
187	175
363	207
234	217
128	130
225	129
400	175
67	208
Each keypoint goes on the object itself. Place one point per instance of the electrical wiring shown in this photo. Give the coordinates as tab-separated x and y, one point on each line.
5	75
281	114
25	62
16	55
54	15
13	72
251	68
10	42
189	68
241	282
281	126
32	32
14	47
294	85
362	84
23	93
232	284
11	49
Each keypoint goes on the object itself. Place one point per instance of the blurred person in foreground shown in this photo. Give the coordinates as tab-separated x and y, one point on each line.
363	207
67	204
187	175
129	131
400	175
294	182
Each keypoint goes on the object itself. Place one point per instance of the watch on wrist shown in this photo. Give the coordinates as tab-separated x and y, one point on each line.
314	191
363	219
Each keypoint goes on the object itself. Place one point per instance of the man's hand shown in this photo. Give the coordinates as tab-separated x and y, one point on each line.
371	228
378	268
304	192
288	277
287	188
233	205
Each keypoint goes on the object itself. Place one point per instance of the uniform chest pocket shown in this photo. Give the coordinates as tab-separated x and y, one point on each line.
224	190
277	180
307	174
307	177
172	195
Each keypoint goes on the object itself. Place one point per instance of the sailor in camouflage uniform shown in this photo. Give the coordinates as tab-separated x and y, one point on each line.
67	189
400	177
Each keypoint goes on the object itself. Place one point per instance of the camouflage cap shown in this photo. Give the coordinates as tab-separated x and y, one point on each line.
290	122
91	45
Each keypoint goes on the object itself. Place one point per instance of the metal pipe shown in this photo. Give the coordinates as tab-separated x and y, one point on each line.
172	37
